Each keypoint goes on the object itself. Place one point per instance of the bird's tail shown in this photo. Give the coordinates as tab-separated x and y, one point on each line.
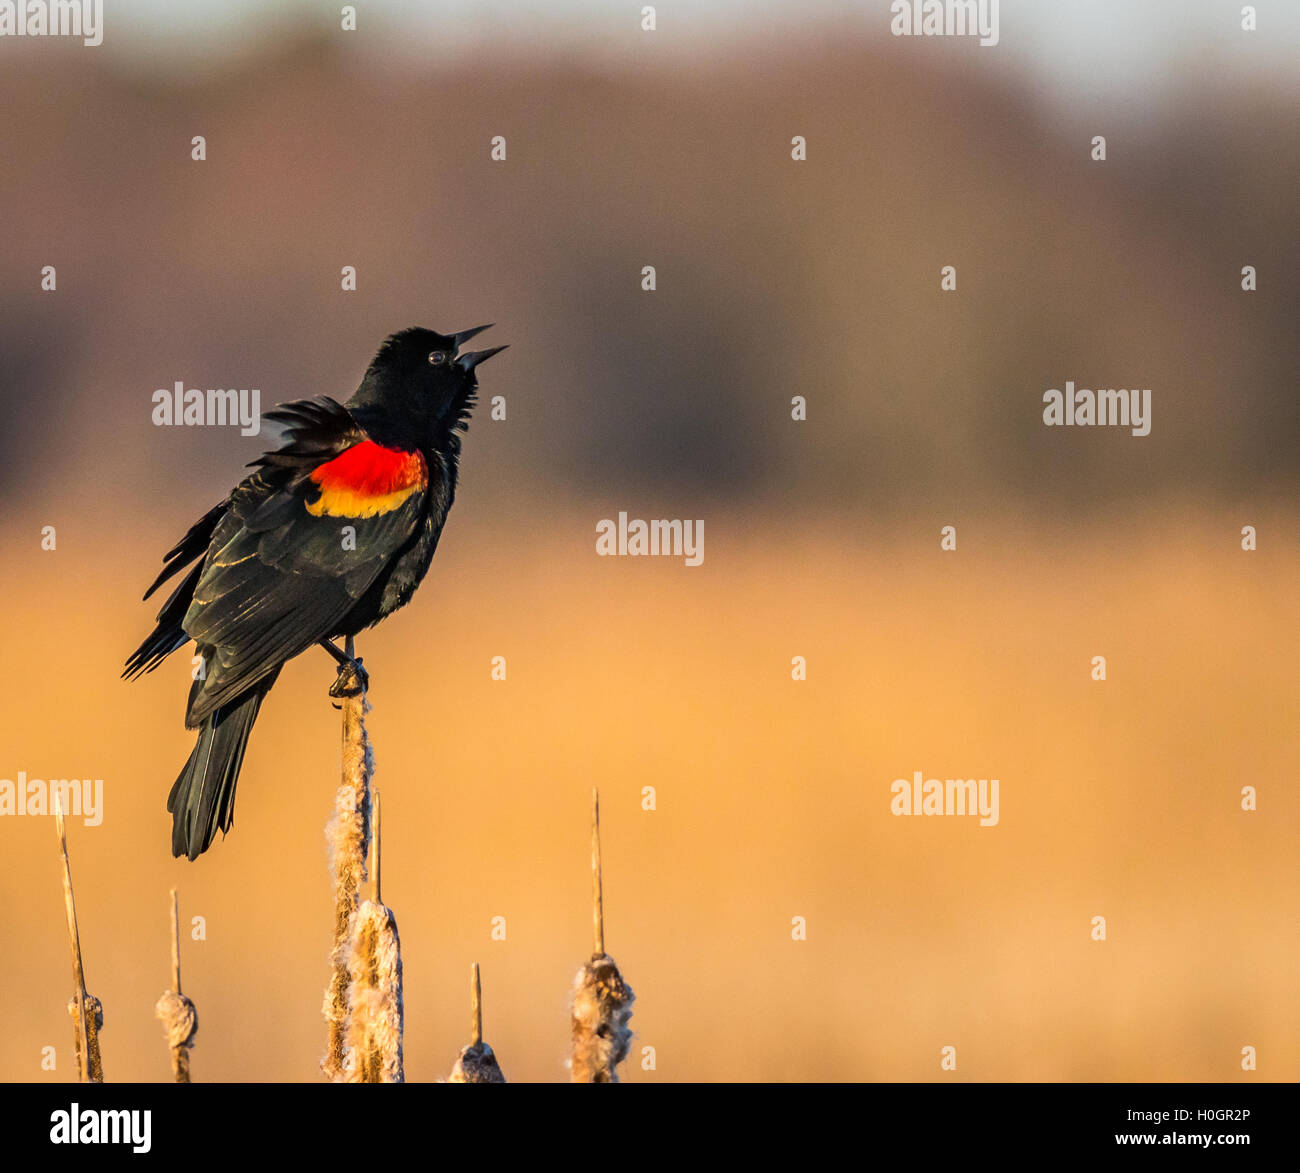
203	798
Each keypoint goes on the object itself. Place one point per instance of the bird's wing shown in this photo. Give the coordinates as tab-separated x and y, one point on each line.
302	540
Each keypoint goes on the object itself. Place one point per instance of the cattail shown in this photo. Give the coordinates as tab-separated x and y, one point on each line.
179	1018
86	1010
375	1012
348	835
91	1021
602	1000
374	1030
476	1063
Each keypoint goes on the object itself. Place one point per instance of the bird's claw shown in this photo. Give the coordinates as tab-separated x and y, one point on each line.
351	681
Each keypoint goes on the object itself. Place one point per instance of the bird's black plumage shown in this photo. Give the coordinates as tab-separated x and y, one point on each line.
333	531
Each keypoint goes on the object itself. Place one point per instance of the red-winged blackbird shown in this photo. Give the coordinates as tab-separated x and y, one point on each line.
333	532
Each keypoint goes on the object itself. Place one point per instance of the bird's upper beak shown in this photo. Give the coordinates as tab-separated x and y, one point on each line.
465	335
467	362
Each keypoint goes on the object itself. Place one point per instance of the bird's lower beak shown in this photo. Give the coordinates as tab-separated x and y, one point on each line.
467	362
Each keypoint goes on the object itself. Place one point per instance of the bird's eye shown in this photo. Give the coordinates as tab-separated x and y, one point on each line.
440	358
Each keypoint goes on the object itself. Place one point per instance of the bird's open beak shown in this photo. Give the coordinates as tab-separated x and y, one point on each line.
467	362
465	335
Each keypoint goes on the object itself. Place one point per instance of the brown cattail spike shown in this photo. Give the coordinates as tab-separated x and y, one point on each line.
348	834
602	1006
476	1063
374	1025
91	1019
602	1000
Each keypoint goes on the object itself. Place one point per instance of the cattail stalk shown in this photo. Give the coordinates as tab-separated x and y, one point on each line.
179	1018
597	888
602	1000
86	1010
375	1010
348	834
476	1063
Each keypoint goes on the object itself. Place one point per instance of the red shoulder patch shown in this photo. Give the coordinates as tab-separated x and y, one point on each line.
367	479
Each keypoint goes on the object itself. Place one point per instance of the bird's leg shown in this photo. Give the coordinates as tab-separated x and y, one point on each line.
352	679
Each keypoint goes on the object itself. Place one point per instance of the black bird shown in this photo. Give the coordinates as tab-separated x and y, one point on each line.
333	532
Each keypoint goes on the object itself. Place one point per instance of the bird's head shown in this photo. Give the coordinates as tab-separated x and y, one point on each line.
426	379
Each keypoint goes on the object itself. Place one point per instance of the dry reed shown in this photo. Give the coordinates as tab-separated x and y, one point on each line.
86	1010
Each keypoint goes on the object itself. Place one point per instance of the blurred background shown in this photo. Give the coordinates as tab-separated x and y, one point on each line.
774	278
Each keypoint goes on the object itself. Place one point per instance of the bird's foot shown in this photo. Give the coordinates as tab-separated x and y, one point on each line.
351	681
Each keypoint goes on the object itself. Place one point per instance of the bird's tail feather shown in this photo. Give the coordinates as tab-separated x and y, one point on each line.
203	798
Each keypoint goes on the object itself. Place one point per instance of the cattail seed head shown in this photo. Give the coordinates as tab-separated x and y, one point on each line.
94	1019
602	1006
374	1029
476	1064
181	1023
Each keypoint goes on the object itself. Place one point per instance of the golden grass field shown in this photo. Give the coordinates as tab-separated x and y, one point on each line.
1118	799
